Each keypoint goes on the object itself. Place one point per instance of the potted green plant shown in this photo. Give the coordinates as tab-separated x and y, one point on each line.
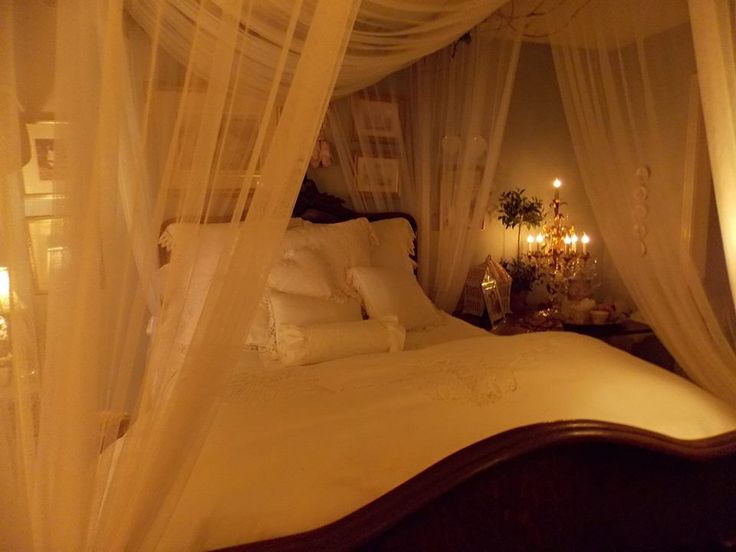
523	275
517	210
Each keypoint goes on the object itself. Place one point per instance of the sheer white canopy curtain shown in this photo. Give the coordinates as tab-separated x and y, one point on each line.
628	99
426	141
129	113
714	35
164	109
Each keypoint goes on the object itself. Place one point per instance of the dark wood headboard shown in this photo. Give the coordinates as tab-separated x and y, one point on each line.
314	206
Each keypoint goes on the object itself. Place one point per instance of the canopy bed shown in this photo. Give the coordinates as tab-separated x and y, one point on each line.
288	373
463	439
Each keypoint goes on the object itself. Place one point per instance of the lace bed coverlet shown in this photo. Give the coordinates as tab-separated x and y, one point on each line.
292	449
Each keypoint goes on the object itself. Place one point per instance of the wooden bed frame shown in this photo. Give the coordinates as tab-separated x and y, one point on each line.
568	485
574	485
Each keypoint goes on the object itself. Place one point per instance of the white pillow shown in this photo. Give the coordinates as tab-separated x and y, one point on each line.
302	272
343	245
321	342
212	235
394	292
300	310
395	244
261	335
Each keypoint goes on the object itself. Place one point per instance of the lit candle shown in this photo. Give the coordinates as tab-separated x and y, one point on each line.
540	241
557	184
567	241
529	242
574	241
585	239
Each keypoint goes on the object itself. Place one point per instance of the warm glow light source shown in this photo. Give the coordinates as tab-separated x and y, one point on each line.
4	288
530	239
567	240
540	238
585	238
574	238
557	183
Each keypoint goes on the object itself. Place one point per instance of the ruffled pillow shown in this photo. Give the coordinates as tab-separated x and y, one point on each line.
300	310
302	272
262	335
321	342
395	244
343	245
387	292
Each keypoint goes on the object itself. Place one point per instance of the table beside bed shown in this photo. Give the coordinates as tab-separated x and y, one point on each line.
629	335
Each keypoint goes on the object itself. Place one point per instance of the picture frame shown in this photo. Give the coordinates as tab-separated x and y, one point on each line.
41	230
492	300
42	205
377	119
39	172
377	175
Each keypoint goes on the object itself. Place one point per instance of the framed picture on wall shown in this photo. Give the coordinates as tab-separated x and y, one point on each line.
43	251
377	119
377	175
38	174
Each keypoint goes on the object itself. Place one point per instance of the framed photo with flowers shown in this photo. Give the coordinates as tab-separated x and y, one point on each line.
377	175
377	119
42	248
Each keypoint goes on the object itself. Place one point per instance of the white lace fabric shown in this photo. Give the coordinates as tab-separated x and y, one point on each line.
356	428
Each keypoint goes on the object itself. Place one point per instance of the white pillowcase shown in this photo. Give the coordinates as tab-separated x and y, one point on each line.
342	245
299	310
395	244
388	291
303	272
212	236
322	342
261	335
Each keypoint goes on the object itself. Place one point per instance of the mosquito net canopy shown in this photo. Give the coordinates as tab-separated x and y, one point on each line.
208	111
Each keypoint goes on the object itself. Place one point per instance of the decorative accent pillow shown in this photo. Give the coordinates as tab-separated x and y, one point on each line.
212	235
302	272
261	335
388	291
395	244
342	245
300	310
321	342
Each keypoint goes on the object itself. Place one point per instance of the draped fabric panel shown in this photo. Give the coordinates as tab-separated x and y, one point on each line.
387	34
627	105
141	137
714	35
426	141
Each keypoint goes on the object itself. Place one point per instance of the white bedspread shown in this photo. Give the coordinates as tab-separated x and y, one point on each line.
293	449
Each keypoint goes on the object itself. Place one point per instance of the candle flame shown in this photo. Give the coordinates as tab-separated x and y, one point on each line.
585	238
530	239
557	183
574	238
540	238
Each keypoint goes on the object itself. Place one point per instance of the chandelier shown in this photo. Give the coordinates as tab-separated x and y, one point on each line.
558	254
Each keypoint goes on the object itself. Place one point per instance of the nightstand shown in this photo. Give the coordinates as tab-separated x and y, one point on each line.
631	336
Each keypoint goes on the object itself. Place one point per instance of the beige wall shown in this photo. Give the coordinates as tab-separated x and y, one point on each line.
34	40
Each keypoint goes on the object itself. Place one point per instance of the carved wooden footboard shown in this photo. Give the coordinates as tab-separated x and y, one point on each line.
575	485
